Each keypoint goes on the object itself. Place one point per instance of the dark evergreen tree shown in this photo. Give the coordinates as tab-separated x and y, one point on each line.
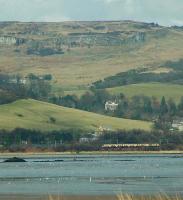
163	107
148	105
172	107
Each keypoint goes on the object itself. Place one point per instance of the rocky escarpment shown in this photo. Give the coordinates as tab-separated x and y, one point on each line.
59	37
104	39
79	40
88	40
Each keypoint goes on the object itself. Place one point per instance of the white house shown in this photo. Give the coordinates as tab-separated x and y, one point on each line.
7	40
110	106
15	81
177	125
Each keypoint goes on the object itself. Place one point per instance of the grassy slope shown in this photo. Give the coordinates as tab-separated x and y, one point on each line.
150	89
36	116
82	66
147	89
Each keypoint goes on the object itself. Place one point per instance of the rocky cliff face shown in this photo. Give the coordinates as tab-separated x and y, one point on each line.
90	39
104	39
78	34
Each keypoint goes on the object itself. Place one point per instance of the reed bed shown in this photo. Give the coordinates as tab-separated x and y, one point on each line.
121	197
153	197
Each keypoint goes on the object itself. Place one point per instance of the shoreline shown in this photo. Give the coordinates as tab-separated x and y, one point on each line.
55	154
57	197
89	197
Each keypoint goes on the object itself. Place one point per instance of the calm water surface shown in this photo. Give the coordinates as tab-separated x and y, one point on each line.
94	175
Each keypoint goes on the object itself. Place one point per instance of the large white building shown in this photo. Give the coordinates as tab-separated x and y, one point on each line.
110	106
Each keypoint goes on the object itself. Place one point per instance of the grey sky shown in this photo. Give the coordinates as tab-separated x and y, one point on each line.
165	12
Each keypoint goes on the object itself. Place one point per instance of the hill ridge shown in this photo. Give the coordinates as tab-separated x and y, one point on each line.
33	114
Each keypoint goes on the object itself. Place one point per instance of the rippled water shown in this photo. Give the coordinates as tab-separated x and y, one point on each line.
94	175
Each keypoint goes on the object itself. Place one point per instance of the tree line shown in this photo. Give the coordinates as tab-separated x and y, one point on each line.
136	76
70	140
138	107
13	87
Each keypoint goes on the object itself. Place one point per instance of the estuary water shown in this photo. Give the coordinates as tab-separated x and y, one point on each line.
93	175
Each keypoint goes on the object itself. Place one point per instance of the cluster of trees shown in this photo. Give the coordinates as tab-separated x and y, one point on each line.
6	97
13	87
138	107
138	76
39	49
92	101
19	136
44	51
46	77
150	108
22	140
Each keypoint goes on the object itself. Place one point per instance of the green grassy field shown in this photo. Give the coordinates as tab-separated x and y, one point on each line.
157	90
150	89
32	114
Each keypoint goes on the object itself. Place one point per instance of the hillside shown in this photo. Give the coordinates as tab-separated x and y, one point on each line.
150	89
158	90
32	114
79	53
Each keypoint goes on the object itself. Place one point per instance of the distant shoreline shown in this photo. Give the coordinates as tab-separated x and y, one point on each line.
55	197
55	154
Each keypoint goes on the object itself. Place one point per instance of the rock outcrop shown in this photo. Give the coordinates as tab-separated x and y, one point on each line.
14	159
78	34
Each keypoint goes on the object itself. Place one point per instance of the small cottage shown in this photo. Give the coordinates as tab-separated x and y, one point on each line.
177	124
